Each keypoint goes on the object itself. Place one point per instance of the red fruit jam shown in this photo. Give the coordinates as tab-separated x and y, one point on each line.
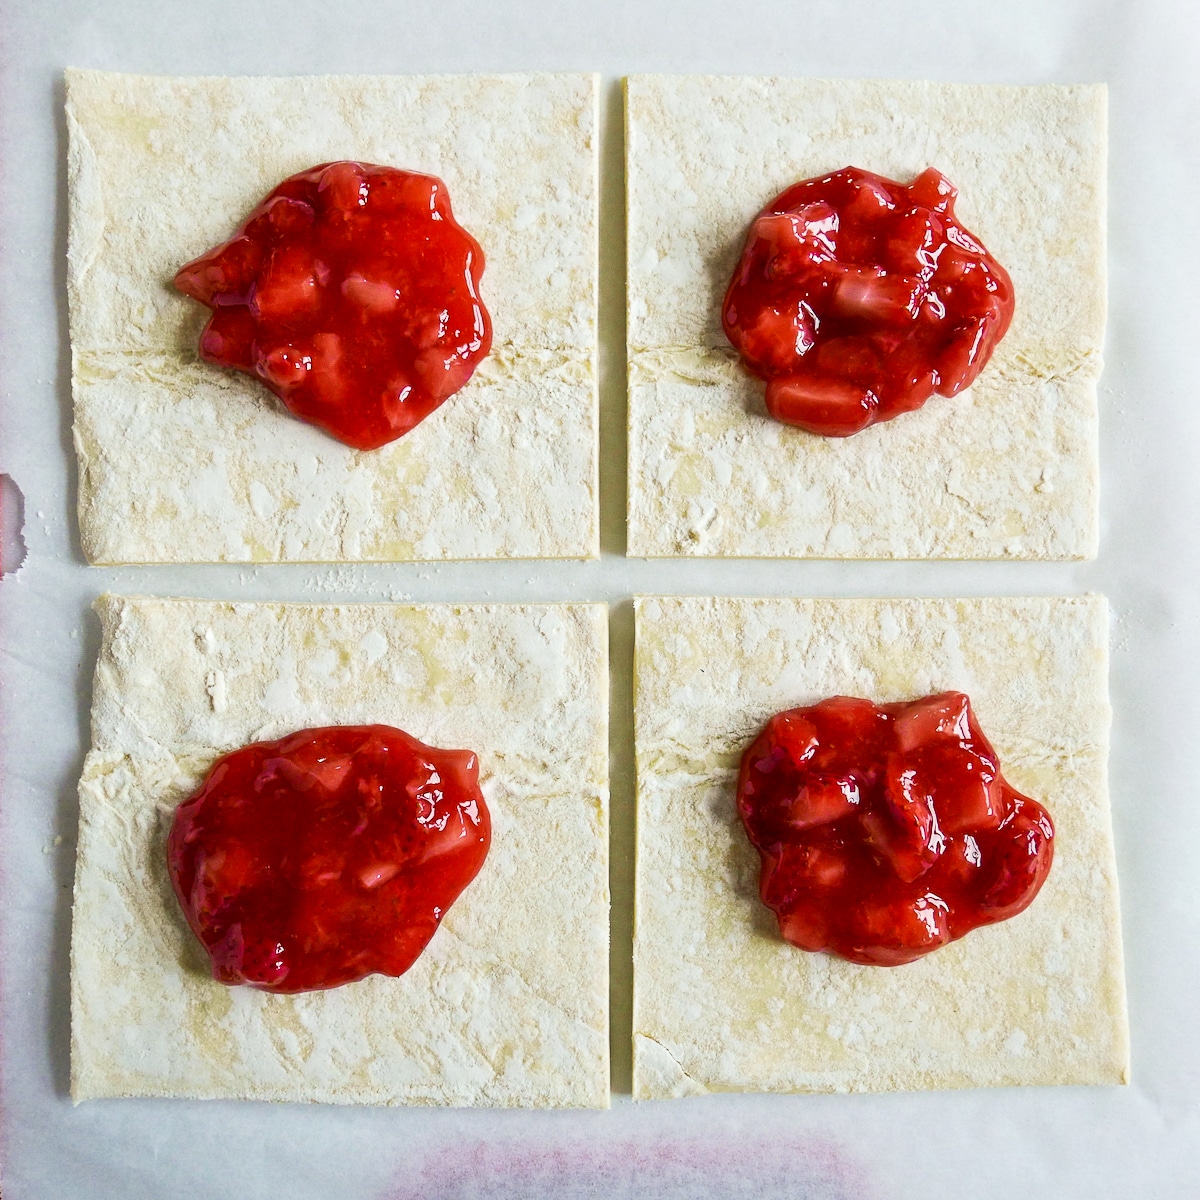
328	855
353	294
887	831
857	298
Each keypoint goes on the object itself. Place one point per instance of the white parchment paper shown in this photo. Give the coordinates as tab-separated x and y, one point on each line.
1139	1141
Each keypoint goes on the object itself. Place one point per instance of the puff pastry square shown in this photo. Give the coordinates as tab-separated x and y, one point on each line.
1008	469
721	1002
508	1005
180	461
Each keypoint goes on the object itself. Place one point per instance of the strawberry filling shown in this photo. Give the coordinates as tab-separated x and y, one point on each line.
326	856
886	831
353	294
856	299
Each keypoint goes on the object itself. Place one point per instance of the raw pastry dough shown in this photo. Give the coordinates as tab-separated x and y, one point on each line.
721	1002
1008	469
508	1005
183	462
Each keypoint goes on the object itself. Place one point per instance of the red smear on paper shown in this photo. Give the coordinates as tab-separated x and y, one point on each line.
12	521
814	1168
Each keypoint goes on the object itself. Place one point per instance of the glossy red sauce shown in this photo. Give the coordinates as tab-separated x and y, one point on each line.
886	831
857	298
353	294
326	856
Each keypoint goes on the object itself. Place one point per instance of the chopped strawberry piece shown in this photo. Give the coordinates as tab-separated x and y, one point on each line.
806	925
822	404
289	216
236	954
790	243
965	785
886	831
821	799
441	374
867	200
221	874
375	874
1022	862
797	736
857	298
962	861
907	832
285	367
229	334
962	358
343	188
914	244
781	337
875	296
933	719
370	294
796	870
894	934
932	190
841	358
228	271
826	867
841	723
287	287
307	765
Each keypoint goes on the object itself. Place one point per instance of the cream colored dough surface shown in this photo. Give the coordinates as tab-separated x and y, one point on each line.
184	462
508	1005
721	1002
1007	469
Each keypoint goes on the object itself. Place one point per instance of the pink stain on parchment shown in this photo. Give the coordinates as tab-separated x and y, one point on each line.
740	1168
